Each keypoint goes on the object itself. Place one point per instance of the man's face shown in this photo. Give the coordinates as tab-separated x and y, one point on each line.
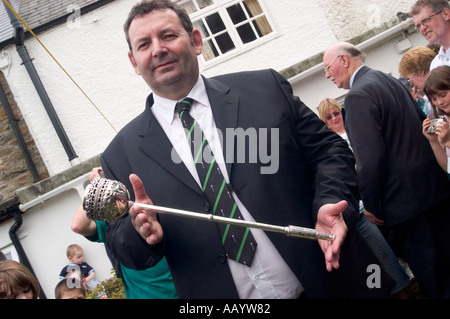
164	54
433	26
77	258
442	101
335	70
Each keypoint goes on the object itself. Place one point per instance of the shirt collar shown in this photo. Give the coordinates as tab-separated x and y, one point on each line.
442	52
352	79
166	107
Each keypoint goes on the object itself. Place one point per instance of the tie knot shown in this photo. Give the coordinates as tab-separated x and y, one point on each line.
184	105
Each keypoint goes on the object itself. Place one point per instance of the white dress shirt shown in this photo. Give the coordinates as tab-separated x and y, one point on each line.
269	276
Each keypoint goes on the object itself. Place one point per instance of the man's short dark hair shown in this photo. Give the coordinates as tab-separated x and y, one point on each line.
145	7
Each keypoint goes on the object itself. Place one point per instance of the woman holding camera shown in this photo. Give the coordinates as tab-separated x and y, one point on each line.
437	89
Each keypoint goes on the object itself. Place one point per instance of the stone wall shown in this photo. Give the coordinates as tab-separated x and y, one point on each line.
14	172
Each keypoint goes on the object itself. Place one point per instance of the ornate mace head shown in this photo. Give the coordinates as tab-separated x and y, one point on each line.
105	199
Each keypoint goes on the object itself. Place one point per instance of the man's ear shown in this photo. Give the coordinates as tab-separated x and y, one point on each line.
133	63
198	41
446	14
345	60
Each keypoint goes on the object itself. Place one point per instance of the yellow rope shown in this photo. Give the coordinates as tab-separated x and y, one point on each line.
35	36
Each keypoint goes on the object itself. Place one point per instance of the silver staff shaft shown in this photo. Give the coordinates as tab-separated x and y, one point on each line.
293	231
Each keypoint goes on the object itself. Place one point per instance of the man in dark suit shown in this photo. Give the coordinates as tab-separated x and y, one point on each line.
307	180
401	183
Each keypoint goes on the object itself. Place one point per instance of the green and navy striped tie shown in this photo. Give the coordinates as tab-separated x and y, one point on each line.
237	241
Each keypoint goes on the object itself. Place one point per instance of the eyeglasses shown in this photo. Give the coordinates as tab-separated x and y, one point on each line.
410	79
327	68
426	20
334	114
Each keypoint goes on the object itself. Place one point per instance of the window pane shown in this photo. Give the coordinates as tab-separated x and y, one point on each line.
204	3
215	23
191	5
236	13
209	50
243	22
246	33
225	43
253	7
262	26
201	26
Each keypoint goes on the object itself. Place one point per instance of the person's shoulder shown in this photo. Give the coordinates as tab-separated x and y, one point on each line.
368	77
246	80
136	126
246	74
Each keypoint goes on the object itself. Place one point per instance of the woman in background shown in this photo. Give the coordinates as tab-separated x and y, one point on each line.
437	89
17	282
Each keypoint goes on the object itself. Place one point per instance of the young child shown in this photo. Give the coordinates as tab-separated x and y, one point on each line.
78	265
70	289
437	88
17	282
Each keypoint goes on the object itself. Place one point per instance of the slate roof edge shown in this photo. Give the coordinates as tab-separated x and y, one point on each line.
56	22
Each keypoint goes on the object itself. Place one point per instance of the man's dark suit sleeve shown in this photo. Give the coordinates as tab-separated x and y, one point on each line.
330	160
131	249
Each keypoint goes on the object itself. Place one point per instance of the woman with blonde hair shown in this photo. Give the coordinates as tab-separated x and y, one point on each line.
332	113
17	282
414	67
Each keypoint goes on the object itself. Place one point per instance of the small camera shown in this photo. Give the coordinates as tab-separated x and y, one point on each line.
434	123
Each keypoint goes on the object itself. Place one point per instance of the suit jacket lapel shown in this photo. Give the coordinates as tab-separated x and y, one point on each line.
225	108
157	146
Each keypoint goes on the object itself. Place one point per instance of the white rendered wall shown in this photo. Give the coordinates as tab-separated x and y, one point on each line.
93	51
45	235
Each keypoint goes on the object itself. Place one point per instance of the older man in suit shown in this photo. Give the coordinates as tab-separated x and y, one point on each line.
308	179
401	183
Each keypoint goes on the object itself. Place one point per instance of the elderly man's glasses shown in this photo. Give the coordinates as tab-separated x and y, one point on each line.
327	68
426	20
410	80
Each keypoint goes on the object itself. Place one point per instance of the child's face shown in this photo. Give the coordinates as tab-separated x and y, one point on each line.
442	101
77	257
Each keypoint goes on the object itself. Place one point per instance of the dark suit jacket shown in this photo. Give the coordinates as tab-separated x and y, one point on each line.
315	168
399	175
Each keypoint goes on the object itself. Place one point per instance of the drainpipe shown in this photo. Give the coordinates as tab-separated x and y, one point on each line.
19	37
16	214
18	134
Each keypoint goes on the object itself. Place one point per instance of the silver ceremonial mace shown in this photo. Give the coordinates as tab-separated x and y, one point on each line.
107	200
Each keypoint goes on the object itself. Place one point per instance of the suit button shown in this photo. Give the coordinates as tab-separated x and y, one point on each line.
222	258
206	207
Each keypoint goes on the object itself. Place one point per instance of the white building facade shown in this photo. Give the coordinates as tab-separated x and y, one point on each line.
103	93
